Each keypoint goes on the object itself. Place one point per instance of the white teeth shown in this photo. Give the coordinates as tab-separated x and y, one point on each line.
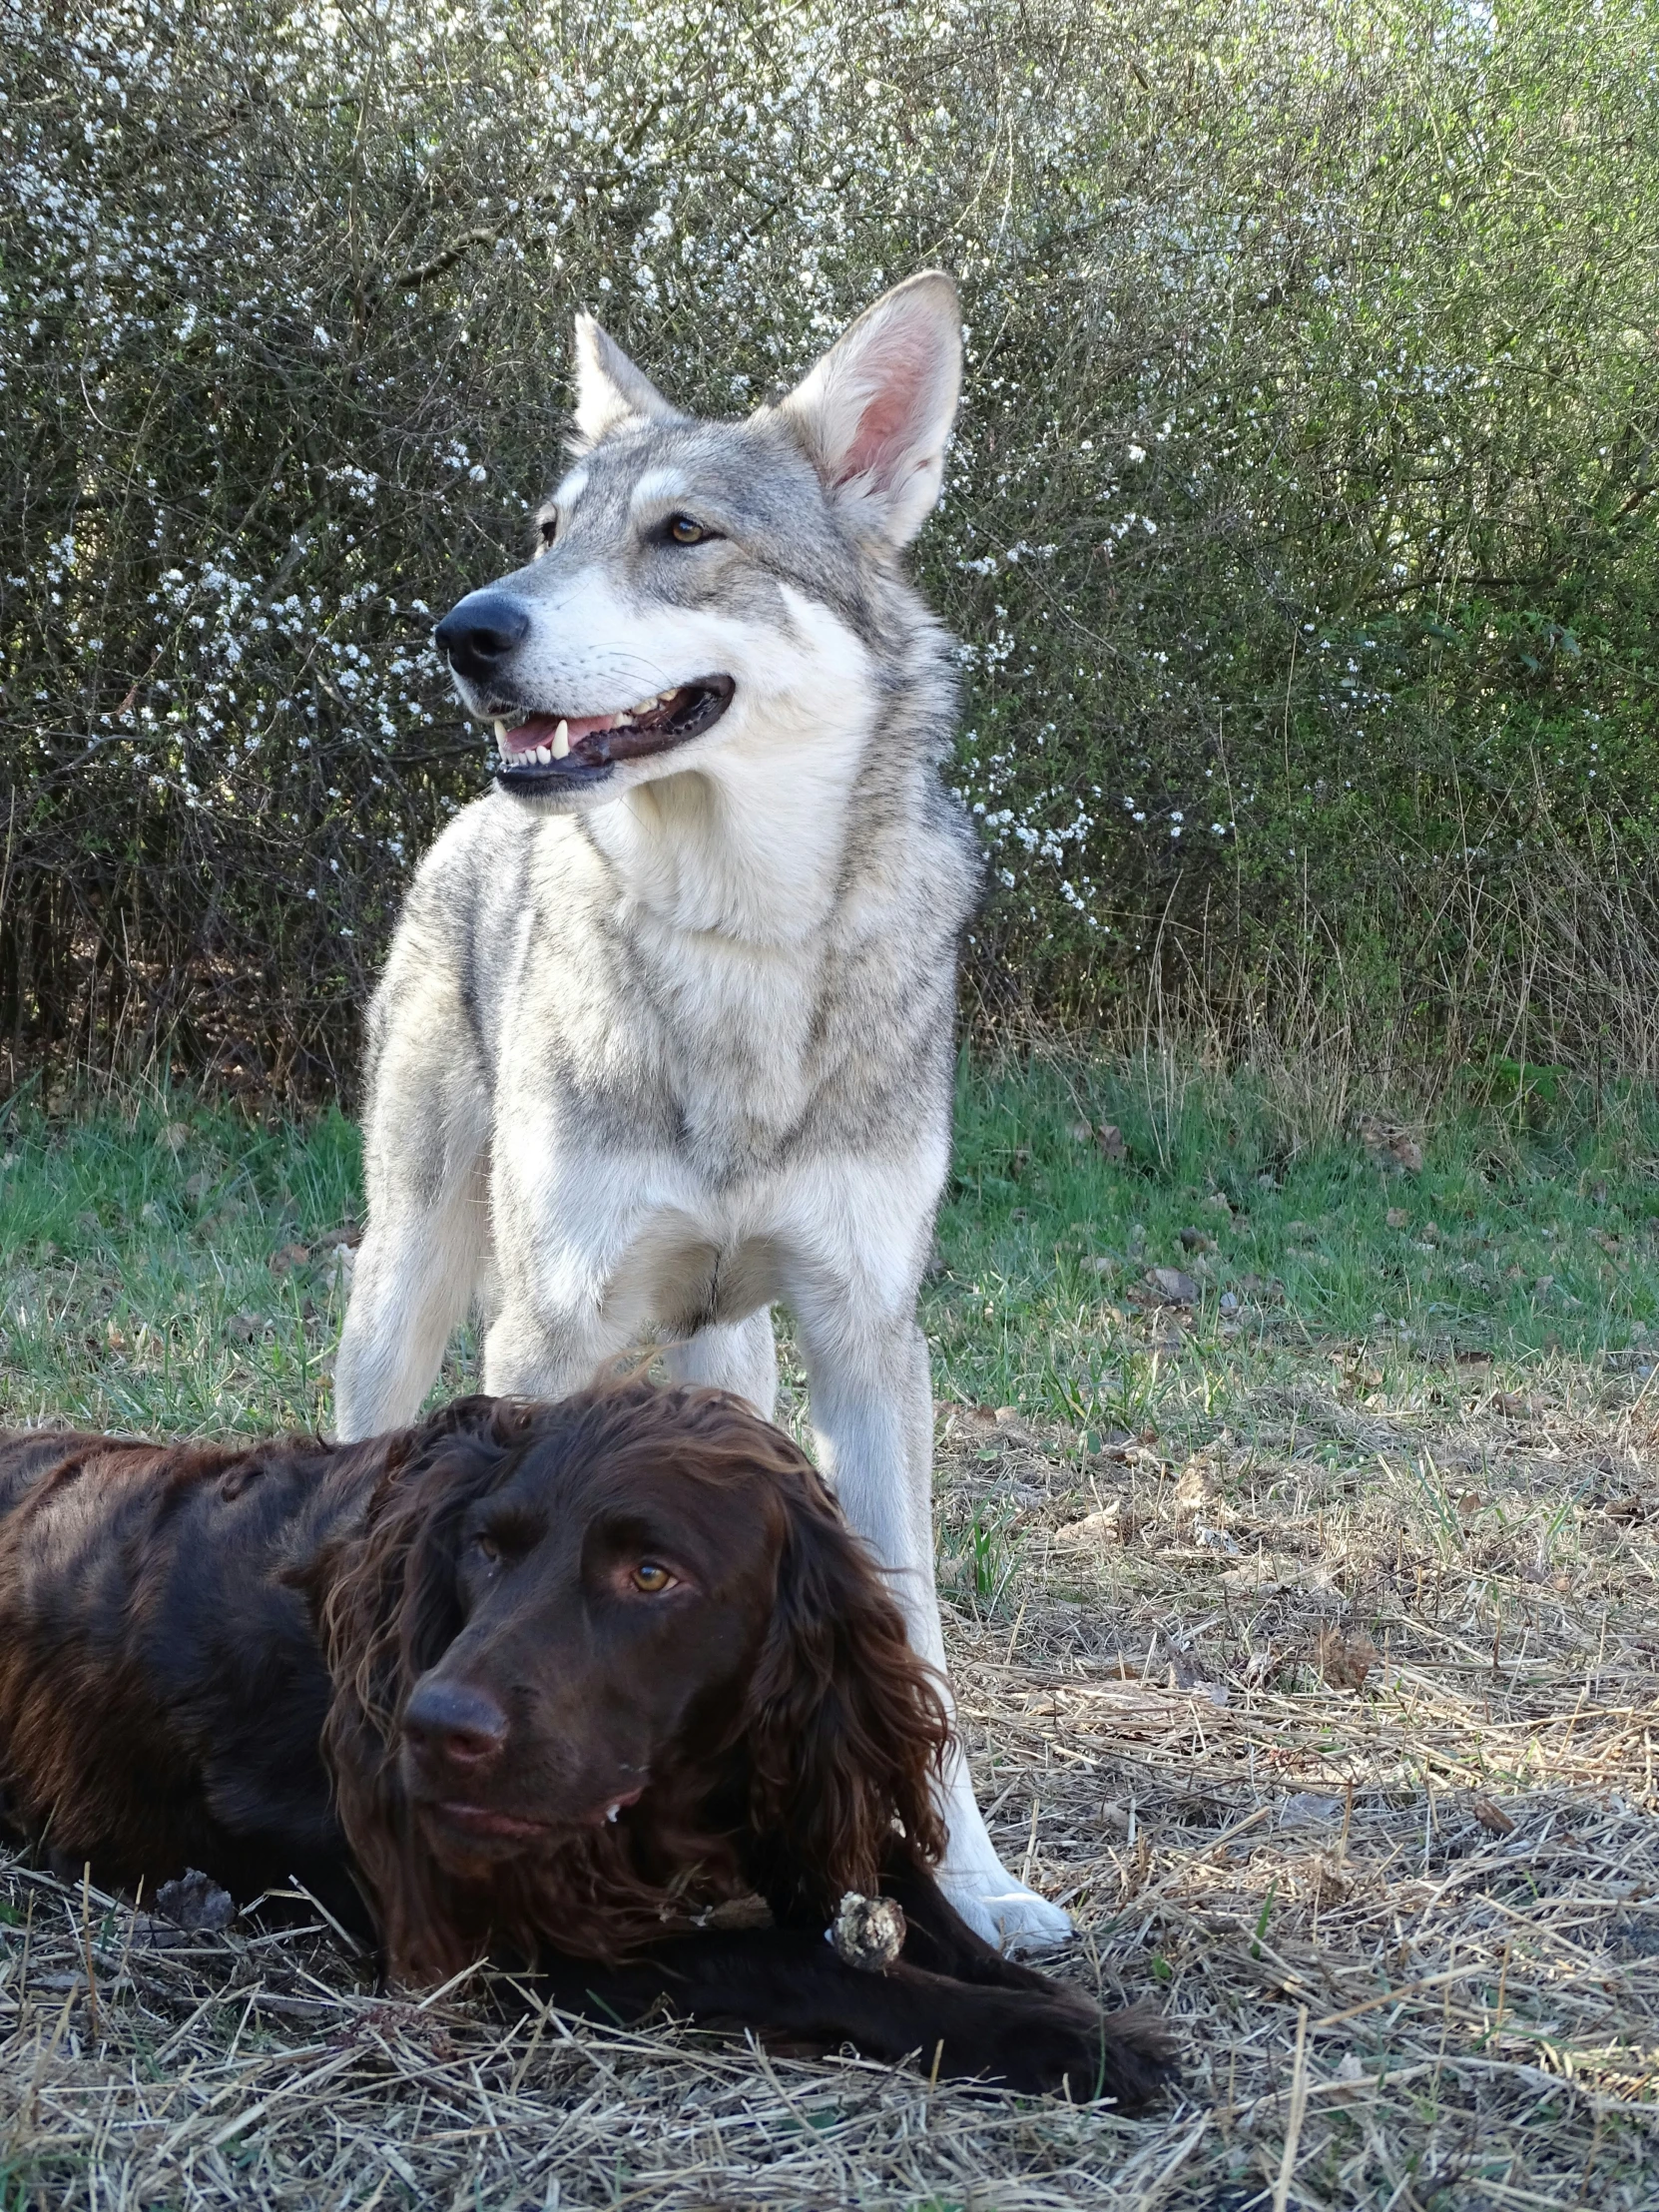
561	740
663	697
544	759
624	720
612	1813
502	732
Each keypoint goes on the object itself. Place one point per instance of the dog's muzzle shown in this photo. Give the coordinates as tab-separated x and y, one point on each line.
550	753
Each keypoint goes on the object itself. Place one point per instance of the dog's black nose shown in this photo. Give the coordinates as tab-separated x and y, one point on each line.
462	1725
477	635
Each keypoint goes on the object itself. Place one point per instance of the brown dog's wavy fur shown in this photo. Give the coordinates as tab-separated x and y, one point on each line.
841	1734
208	1657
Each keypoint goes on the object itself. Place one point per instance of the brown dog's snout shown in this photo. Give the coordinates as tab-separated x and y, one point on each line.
450	1721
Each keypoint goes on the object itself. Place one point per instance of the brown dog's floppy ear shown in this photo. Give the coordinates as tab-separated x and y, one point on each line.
846	1729
388	1610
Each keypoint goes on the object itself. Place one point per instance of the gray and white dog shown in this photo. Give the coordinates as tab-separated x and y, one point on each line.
665	1034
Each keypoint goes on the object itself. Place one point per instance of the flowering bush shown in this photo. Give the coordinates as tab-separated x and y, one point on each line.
1299	531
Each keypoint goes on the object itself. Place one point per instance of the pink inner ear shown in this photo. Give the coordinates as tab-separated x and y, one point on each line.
891	418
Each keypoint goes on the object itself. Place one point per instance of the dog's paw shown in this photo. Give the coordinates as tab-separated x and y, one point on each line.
1138	2054
1061	2043
1006	1912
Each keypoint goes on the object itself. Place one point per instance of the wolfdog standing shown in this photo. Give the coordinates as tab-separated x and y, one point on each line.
665	1033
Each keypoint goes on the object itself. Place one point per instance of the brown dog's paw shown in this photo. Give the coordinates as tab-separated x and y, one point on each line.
1139	2055
1062	2043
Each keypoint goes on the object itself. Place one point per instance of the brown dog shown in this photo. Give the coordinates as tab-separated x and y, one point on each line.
551	1682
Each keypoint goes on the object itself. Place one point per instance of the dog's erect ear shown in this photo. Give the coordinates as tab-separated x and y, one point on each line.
610	390
845	1728
875	412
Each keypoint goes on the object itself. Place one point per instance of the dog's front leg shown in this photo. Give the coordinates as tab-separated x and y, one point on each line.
872	1414
534	1351
788	1983
426	1143
420	1261
740	1356
531	1352
565	1217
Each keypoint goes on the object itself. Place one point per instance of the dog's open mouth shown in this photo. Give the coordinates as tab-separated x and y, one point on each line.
553	750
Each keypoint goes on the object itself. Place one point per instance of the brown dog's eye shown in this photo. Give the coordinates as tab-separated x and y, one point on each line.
488	1548
650	1578
684	530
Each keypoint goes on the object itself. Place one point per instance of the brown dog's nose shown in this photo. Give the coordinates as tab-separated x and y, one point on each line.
464	1726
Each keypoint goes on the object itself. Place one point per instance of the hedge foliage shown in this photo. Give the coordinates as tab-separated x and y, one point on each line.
1299	532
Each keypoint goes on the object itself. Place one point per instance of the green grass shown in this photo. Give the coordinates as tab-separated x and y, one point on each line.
149	1264
1517	1238
151	1280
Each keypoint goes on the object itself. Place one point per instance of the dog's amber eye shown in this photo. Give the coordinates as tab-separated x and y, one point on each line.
683	530
488	1548
650	1578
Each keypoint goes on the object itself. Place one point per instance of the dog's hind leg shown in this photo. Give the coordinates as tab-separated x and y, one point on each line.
739	1356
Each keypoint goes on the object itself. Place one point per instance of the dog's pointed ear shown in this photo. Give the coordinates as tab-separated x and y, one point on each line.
845	1728
610	390
875	414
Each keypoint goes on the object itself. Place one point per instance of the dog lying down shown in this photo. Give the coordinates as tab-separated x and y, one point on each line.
551	1682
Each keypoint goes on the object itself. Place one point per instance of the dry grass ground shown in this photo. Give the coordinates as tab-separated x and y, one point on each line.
1315	1673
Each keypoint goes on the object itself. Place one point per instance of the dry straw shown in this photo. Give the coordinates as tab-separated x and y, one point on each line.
1399	1885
